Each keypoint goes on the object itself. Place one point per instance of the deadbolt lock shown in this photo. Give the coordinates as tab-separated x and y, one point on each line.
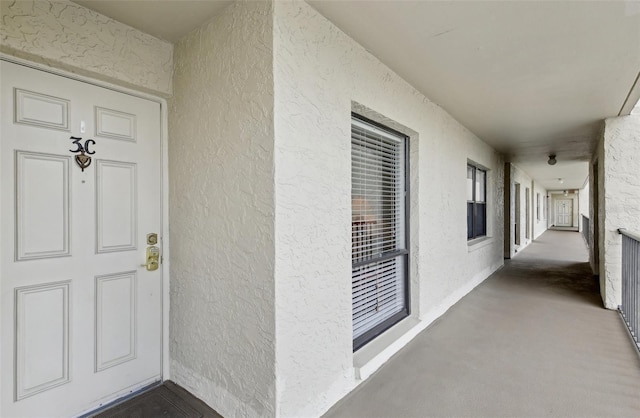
152	239
153	258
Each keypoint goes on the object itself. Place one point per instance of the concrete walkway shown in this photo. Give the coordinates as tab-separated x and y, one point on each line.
532	341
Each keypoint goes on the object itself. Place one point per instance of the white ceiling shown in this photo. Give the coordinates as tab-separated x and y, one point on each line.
529	78
165	19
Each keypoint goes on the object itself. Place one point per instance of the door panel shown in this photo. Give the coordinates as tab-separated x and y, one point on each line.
42	201
41	110
114	124
564	211
81	320
42	338
117	223
115	322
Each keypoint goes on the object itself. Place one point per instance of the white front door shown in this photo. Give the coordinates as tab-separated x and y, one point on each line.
81	318
564	211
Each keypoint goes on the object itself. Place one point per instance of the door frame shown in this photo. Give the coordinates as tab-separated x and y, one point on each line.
164	184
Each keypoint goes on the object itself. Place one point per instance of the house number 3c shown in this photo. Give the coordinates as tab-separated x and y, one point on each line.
82	159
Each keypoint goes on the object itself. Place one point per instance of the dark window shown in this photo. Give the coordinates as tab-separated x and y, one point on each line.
527	216
476	202
379	251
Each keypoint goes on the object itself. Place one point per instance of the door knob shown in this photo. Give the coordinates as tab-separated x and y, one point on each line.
153	258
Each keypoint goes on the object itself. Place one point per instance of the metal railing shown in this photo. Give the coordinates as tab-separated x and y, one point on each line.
630	308
586	232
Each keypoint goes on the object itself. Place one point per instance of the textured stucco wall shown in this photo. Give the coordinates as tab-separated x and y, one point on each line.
520	177
621	197
539	225
536	227
599	212
595	200
583	204
68	36
222	213
319	74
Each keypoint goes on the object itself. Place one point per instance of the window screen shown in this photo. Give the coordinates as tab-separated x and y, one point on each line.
378	225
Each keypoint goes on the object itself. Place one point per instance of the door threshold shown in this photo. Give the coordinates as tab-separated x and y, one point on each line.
165	400
121	400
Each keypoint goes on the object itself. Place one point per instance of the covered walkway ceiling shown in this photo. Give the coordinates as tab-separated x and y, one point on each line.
529	78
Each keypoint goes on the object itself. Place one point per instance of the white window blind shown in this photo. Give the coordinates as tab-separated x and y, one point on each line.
378	223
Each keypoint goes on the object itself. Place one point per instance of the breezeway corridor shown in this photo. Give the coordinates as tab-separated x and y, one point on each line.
532	340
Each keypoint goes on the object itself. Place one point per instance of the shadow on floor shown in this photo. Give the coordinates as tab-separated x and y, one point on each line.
570	278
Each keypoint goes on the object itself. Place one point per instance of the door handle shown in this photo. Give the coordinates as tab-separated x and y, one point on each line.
152	258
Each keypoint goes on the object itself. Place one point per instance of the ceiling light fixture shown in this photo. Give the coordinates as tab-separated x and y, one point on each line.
552	160
560	181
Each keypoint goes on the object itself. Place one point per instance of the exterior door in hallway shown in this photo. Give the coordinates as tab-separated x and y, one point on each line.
527	216
81	318
516	226
595	237
564	211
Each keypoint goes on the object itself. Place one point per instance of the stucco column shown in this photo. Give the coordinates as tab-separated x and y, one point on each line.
619	156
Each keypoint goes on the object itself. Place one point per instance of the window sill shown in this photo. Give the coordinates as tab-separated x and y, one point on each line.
477	243
373	355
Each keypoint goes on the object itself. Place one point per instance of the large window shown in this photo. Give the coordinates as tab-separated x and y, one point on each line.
476	202
378	229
